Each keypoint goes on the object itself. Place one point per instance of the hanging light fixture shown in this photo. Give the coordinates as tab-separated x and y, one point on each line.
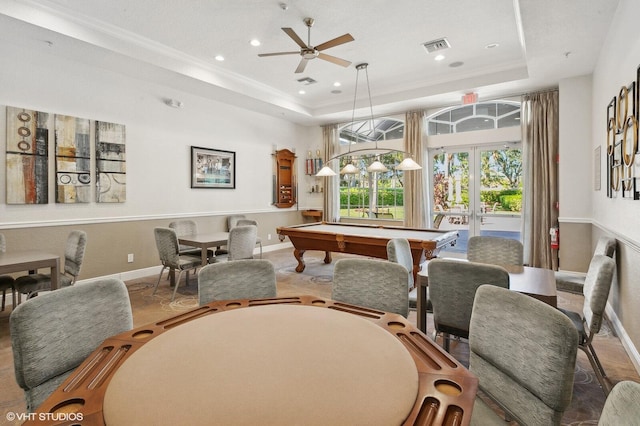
376	166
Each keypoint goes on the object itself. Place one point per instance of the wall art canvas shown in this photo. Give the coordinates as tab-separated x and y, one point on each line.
73	162
212	168
27	156
111	170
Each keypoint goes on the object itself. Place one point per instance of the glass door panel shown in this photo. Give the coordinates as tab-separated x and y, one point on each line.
451	193
476	191
499	211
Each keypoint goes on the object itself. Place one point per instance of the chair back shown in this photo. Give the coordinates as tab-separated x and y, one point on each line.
167	244
606	246
495	250
242	241
399	251
74	252
53	333
244	222
232	221
375	284
621	407
184	227
249	279
596	290
523	351
452	289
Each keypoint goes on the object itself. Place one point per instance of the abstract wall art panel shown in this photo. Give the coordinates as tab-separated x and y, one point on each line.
111	163
27	156
73	162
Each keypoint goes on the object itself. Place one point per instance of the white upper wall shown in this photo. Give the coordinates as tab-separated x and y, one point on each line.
616	67
158	140
576	170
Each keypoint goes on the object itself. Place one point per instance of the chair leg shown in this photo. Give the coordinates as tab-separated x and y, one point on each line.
158	282
175	290
446	340
260	243
597	367
4	294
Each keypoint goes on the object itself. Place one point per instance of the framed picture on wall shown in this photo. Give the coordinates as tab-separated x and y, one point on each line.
212	168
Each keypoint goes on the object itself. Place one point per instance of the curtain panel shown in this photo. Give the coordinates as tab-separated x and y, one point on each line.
415	199
331	205
540	142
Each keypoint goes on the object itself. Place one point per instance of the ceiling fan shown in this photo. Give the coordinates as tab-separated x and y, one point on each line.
309	52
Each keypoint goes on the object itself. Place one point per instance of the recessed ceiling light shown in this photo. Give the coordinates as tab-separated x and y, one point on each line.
336	92
439	57
255	42
491	45
219	58
302	92
337	84
456	64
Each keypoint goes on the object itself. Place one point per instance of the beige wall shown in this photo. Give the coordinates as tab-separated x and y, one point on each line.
108	244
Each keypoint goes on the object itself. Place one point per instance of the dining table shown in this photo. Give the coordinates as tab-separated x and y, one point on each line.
287	360
31	260
539	283
204	241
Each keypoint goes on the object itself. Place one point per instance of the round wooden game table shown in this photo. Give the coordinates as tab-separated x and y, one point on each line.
272	365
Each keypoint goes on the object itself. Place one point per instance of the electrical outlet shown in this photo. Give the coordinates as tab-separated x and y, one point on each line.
268	236
130	258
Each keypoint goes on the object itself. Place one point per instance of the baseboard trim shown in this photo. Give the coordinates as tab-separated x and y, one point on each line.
631	350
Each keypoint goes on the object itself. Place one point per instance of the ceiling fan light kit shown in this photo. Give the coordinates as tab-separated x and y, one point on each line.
309	52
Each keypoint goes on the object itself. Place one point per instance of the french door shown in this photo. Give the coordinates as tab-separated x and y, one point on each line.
476	190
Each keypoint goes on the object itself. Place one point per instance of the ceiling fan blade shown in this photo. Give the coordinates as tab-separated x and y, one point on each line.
335	42
302	65
295	37
333	59
279	53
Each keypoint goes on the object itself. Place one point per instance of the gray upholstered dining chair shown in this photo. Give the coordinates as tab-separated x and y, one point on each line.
495	250
523	352
244	222
188	227
571	282
596	292
242	242
53	333
170	257
247	279
399	251
621	407
73	257
6	281
375	284
239	220
452	288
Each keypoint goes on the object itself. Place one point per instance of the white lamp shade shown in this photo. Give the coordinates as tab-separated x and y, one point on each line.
377	166
408	164
349	169
326	171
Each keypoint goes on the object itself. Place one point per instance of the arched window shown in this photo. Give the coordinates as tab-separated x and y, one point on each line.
480	116
376	195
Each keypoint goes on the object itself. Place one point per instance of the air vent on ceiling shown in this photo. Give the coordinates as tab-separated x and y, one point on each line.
435	45
307	81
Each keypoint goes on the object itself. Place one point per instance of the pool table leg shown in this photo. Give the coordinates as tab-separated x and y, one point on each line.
327	257
298	255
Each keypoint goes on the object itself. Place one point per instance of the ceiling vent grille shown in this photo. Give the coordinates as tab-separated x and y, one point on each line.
307	81
435	45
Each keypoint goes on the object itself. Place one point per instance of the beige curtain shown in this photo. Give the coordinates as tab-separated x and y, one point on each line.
331	207
415	199
540	146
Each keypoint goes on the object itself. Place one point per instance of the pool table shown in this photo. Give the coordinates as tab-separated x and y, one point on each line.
366	240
